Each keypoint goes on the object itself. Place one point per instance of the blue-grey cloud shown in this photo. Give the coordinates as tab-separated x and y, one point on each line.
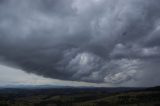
112	41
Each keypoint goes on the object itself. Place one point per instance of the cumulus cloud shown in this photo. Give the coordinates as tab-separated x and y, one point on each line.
102	41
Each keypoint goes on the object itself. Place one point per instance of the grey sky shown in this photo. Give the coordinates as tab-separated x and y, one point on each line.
113	42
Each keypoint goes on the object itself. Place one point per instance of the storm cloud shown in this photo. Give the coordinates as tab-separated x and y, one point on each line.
100	41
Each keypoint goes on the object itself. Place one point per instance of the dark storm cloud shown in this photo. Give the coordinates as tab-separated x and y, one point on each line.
112	41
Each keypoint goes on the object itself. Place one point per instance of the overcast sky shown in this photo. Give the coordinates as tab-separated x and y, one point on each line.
95	42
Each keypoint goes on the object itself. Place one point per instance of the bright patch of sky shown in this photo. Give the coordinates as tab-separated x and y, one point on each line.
15	77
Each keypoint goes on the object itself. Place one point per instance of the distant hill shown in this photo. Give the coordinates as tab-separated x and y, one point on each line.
80	96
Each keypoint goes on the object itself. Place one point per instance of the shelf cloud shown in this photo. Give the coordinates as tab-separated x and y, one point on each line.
100	41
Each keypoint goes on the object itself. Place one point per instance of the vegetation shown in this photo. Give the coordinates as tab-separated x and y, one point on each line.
79	97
